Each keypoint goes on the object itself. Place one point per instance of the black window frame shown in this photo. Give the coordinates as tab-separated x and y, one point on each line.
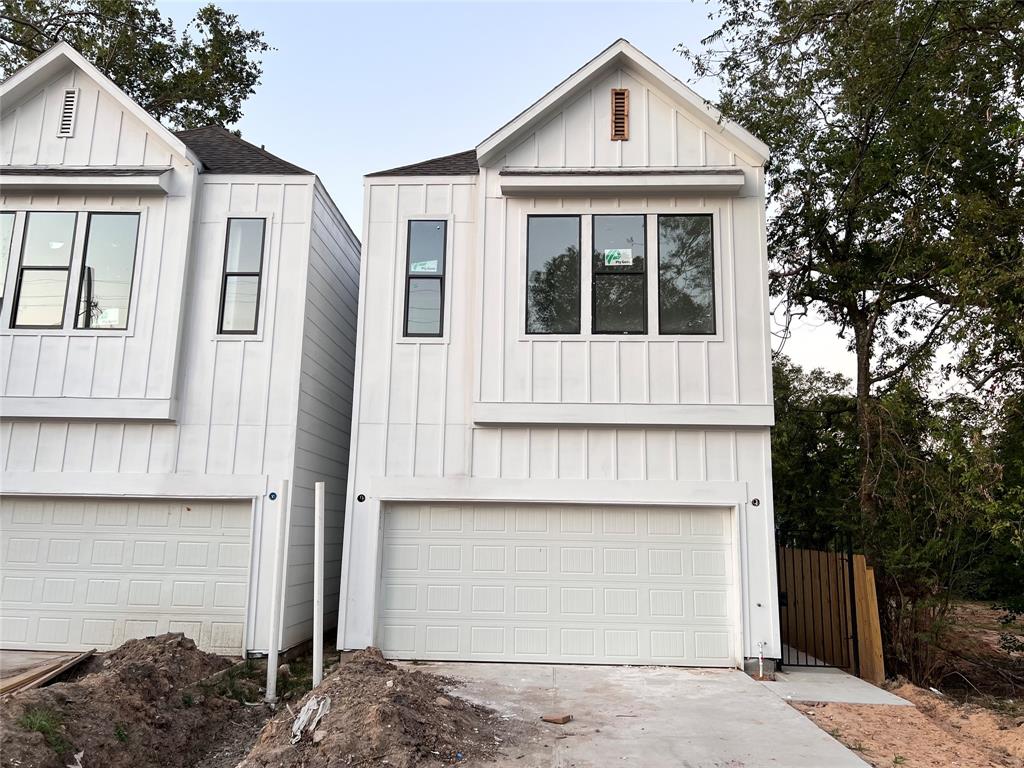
594	272
85	257
22	268
258	275
714	275
579	276
410	276
10	247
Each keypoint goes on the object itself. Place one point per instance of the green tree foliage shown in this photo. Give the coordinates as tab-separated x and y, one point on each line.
895	185
949	497
201	76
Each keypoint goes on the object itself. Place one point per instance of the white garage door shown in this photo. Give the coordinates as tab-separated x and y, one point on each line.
625	585
87	573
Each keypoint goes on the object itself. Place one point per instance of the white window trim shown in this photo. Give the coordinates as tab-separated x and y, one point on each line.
269	222
586	273
401	266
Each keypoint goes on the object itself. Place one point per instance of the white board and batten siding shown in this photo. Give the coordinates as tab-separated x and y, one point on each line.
234	413
488	415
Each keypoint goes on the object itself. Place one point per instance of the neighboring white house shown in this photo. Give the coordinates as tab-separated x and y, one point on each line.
559	458
178	327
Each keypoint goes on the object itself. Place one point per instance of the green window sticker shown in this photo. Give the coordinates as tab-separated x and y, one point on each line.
618	257
424	266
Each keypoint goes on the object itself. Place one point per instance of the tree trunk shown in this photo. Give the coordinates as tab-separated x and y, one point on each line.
866	427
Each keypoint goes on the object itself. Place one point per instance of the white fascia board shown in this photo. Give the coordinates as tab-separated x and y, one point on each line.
628	414
133	485
93	408
619	183
158	183
622	52
48	64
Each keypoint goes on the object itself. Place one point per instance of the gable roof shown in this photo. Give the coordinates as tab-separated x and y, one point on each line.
50	63
221	151
621	53
459	164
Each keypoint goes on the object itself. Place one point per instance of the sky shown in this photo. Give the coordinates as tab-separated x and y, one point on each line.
356	87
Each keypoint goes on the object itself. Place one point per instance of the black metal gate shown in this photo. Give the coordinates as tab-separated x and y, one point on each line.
817	605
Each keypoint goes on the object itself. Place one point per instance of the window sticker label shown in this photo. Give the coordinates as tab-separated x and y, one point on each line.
424	266
618	257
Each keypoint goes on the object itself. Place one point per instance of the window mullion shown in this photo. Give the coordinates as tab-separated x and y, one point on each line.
72	292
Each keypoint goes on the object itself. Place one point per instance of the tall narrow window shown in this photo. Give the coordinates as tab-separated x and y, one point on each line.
6	237
553	274
686	275
619	266
108	266
424	282
43	272
243	270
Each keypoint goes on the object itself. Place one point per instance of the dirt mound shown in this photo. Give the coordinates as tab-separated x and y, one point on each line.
139	706
934	733
381	713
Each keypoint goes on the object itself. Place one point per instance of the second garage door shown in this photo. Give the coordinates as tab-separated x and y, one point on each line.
623	585
92	573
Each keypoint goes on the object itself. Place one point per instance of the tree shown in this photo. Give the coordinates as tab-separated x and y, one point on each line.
895	180
199	77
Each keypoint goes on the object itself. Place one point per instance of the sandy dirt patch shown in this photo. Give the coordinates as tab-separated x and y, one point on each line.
143	705
381	714
935	733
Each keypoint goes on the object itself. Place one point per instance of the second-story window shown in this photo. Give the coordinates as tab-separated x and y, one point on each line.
553	274
424	279
686	278
243	276
619	271
105	290
43	271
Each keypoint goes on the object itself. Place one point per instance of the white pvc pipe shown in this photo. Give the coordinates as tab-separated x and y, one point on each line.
318	584
274	644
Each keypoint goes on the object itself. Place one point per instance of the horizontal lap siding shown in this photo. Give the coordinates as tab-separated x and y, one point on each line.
324	413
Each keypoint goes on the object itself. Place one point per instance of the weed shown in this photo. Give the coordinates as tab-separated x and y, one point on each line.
858	747
187	700
835	733
49	724
898	760
121	733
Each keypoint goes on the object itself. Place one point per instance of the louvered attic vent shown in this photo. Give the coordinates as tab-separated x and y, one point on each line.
68	108
620	114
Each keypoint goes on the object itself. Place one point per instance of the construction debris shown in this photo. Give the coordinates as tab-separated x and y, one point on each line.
43	673
560	719
310	716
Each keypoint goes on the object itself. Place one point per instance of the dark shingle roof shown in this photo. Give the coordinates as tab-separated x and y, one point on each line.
222	152
37	170
459	164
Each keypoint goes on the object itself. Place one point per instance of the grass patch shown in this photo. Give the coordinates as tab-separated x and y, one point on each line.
242	683
121	733
50	725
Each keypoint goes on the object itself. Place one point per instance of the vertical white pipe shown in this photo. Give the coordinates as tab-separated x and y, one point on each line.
274	644
318	584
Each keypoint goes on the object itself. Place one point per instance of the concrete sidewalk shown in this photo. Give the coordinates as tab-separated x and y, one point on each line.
826	684
656	717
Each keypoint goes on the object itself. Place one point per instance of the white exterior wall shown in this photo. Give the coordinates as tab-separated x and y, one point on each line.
78	373
488	413
324	412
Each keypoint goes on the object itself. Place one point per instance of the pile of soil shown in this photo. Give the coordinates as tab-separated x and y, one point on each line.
935	733
384	714
142	705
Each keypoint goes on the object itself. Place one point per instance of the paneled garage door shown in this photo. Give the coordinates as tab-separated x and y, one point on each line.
623	585
87	573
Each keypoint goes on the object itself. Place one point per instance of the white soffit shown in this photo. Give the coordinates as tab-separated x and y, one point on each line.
613	181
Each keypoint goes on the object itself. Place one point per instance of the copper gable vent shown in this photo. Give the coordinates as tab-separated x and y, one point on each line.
620	114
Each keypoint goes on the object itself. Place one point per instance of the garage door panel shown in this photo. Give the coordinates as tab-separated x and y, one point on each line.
80	573
566	584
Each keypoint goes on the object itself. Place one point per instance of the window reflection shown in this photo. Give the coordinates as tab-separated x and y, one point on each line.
686	292
553	274
43	272
109	261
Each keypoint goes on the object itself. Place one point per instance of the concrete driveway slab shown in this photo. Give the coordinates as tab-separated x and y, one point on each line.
829	685
647	716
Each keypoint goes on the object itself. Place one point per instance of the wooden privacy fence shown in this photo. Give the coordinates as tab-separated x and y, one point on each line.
828	612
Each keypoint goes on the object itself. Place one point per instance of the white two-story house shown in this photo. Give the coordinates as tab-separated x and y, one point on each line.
177	338
563	389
